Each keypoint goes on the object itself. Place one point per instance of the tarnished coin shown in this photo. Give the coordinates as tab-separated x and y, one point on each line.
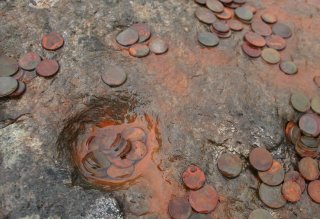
116	172
204	200
293	132
215	6
139	50
235	25
276	42
270	55
314	191
309	141
260	214
193	177
309	168
8	66
273	176
271	196
300	102
201	2
288	67
179	208
260	159
134	134
291	191
20	90
269	18
261	28
251	51
143	31
7	86
226	14
114	76
250	8
52	41
226	1
138	151
208	39
19	75
244	13
199	216
127	37
205	15
158	46
220	27
223	35
308	123
315	104
316	80
29	61
47	68
282	30
255	39
295	176
230	165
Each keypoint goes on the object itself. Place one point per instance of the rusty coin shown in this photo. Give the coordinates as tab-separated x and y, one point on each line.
204	200
295	176
269	18
20	90
158	46
308	124
261	28
8	66
295	134
316	80
309	168
127	37
270	55
47	68
138	151
271	196
143	31
260	159
205	15
255	39
220	27
226	14
260	214
199	216
208	39
29	61
282	30
7	86
288	67
134	134
201	2
291	191
315	104
193	177
223	35
116	172
300	102
314	191
244	13
179	208
235	25
230	165
215	6
52	41
276	42
251	51
273	176
114	76
139	50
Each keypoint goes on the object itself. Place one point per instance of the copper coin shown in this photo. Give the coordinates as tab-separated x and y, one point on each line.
47	68
276	42
7	86
179	208
201	2
295	134
291	191
260	159
215	6
260	214
205	15
139	50
220	27
158	46
226	14
235	25
199	216
204	200
314	191
233	5
134	134
114	76
295	176
143	31
271	196
127	37
8	66
193	177
270	55
251	8
305	151
244	13
226	1
52	41
308	124
273	176
282	30
20	90
29	61
300	102
116	172
315	104
309	168
269	18
261	28
19	75
208	39
255	39
309	141
138	151
288	67
230	165
223	35
316	80
251	51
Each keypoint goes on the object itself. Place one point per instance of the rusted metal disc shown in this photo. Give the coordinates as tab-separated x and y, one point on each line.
179	208
134	134
127	37
314	191
244	13
291	191
29	61
251	51
139	50
47	68
315	104
276	42
143	31
260	159
260	214
205	15
114	76
138	151
20	90
271	196
201	2
300	102
226	14
8	66
158	46
230	165
119	148
7	86
309	168
316	80
116	172
221	27
269	18
255	39
270	55
295	176
288	67
199	216
52	41
273	176
215	6
261	28
193	177
204	200
282	30
208	39
235	25
308	124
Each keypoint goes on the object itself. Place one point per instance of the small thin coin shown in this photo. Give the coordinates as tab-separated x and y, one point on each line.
230	165
244	13
221	27
261	28
251	51
260	159
208	39
139	50
282	30
300	102
133	133
314	191
270	55
47	68
7	86
276	42
226	14
295	176
205	15
235	25
199	216
309	168
20	90
288	67
127	37
52	41
179	208
273	176
193	177
8	66
291	191
116	172
271	196
269	18
143	31
308	123
315	104
204	200
316	80
223	35
114	76
29	61
215	6
138	151
255	39
260	214
158	46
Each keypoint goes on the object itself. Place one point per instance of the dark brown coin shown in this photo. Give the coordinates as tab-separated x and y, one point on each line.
143	31
295	176
282	30
139	50
308	124
127	37
261	28
270	55
116	172
20	90
134	134
309	168
114	76
8	66
276	42
273	176
29	61
235	25
179	208
251	51
215	6
314	191
226	14
220	27
251	8
204	200
269	18
158	46
316	80
315	104
271	196
300	102
260	214
199	216
52	41
7	86
244	13
230	165
138	151
193	177
205	15
208	39
260	159
47	68
201	2
255	39
288	67
291	191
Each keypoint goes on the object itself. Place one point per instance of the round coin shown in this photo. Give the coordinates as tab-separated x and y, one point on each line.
138	151
314	191
308	123
255	39
199	216
208	39
204	200
251	51
19	75
270	55
308	168
52	41
7	86
230	165
205	15
271	196
273	176
288	67
226	1
308	141
315	104
139	50
220	27
269	18
295	176
116	172
8	66
276	42
158	46
260	214
215	6
291	191
235	25
316	80
282	30
261	28
300	102
127	37
244	13
201	2
47	68
251	8
179	208
20	90
226	14
29	61
260	159
114	76
193	177
143	31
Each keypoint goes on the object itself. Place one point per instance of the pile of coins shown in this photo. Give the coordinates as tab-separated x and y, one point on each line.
202	198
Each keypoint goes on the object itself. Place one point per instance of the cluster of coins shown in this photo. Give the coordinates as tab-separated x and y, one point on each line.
202	198
12	72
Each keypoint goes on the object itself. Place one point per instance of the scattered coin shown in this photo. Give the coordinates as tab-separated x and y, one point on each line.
270	55
8	66
309	168
230	165
7	86
215	6
235	25
127	37
139	50
134	134
273	176
295	176
300	102
116	172
291	191
260	214
276	42
244	13
239	1
199	216
308	124
226	14
251	51
204	200
288	67
251	8
314	191
201	2
316	80
52	41
309	141
271	196
293	132
269	18
29	61
179	208
20	90
19	75
315	104
255	39
143	31
261	28
138	151
47	68
158	46
193	177
114	76
260	159
220	27
208	39
282	30
226	1
223	35
205	15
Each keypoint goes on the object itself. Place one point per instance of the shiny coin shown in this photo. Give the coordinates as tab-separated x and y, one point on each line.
308	123
139	50
158	46
29	61
201	2
235	25
282	30
220	27
255	39
273	176
199	216
230	165
8	66
309	168
179	208
260	159
114	76
271	196
208	39
291	191
127	37
315	104
116	172
193	177
143	31
204	200
52	41
269	18
226	14
47	68
288	67
261	28
260	214
295	176
314	191
134	134
205	15
215	6
300	102
270	55
138	151
251	51
7	86
244	13
276	42
316	80
20	90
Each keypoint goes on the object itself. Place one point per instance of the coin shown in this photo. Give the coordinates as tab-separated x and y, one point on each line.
273	176
139	50
255	39
215	6
127	37
116	172
291	191
201	2
114	76
316	80
269	18
314	191
230	165
204	200
193	177
276	42
19	75
308	123
244	13
235	25
271	196
260	159
288	67
310	142
7	86
205	15
8	66
220	27
309	168
226	1
305	151
208	39
261	28
134	134
300	102
52	41
292	132
270	55
260	214
295	176
251	51
226	14
179	208
315	104
143	31
158	46
138	151
282	30
223	35
239	1
251	8
101	159
47	68
20	90
29	61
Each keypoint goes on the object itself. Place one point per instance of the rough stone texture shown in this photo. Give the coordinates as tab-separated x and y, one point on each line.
208	101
